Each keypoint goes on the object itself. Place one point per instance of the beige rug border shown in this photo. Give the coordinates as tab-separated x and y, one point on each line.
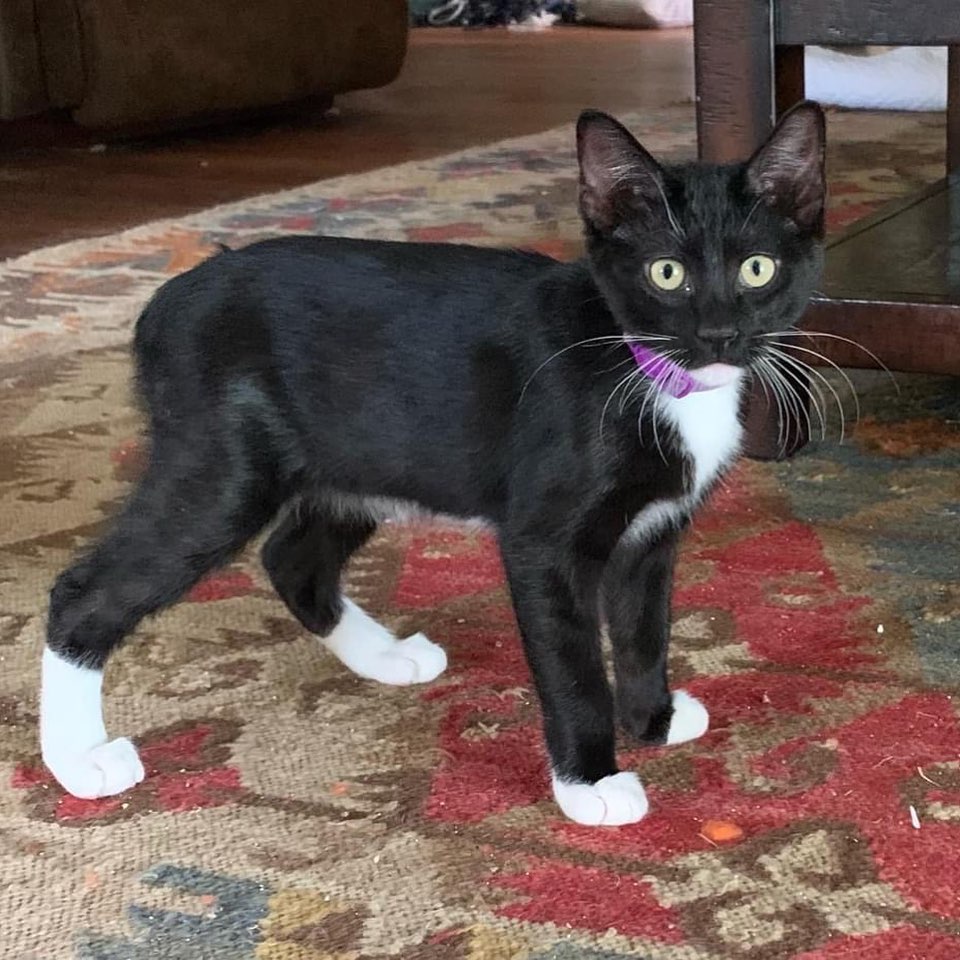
387	175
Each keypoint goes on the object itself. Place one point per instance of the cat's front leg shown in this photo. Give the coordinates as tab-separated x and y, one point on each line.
637	587
556	606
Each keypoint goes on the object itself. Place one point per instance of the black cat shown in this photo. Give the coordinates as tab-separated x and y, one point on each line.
582	409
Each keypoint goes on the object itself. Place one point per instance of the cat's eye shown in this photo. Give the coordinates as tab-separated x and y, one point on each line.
667	274
758	270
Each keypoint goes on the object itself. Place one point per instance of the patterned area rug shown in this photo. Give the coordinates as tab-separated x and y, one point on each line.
294	812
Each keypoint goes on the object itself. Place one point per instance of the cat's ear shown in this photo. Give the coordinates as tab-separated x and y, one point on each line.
619	180
787	171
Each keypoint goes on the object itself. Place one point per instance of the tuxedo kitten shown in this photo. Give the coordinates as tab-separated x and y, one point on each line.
584	410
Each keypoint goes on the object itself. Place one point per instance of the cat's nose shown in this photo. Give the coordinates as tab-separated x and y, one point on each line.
719	338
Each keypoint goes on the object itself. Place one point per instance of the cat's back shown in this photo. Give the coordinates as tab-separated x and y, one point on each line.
310	278
291	303
340	270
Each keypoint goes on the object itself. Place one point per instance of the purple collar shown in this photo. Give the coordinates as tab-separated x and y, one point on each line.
669	377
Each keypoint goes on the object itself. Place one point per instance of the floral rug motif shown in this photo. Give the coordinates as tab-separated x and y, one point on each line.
295	812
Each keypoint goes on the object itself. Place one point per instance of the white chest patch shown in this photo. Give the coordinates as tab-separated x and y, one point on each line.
710	434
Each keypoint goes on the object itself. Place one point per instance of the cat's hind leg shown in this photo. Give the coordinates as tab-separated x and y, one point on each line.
304	557
185	519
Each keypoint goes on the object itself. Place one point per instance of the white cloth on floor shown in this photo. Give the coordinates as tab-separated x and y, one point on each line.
652	14
895	78
899	78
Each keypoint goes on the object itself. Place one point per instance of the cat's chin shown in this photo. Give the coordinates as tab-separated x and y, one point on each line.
717	374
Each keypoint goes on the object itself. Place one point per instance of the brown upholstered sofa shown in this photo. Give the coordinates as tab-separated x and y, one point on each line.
117	63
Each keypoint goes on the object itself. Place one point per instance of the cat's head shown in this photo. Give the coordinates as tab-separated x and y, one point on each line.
711	256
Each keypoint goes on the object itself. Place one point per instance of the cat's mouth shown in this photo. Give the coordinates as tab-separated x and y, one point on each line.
716	374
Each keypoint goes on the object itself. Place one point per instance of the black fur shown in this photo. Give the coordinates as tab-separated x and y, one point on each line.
291	377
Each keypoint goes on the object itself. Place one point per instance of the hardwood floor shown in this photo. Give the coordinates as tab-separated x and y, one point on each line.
457	88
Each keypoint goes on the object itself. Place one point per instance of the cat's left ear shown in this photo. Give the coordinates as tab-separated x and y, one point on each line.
619	180
787	172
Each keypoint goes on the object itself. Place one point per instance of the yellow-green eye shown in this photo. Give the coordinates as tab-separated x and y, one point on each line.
758	270
667	274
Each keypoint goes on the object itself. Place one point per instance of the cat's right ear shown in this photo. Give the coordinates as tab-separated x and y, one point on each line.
619	180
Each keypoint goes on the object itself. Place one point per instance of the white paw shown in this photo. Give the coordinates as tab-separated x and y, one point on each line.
414	660
102	771
610	802
371	651
690	718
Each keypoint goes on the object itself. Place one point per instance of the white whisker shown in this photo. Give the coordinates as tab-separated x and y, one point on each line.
651	389
655	417
618	365
624	388
666	355
849	382
813	334
750	213
794	400
773	378
817	399
591	341
623	381
678	231
634	388
806	368
793	378
763	385
629	389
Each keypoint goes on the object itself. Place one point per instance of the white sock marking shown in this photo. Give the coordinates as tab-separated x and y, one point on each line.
371	651
690	718
610	802
73	739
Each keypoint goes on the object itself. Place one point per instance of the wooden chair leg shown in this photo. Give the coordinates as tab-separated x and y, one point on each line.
775	431
953	110
788	77
734	55
733	52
